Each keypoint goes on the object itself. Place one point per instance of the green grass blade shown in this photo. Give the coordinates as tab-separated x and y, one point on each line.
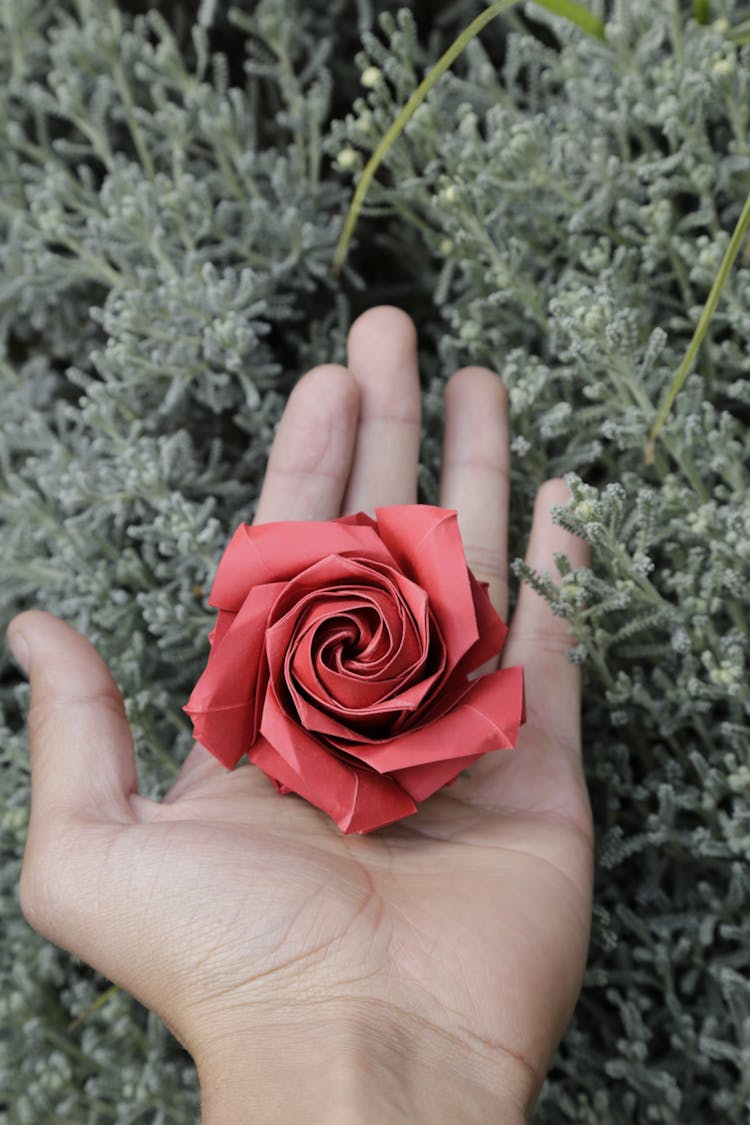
577	14
702	11
701	327
100	1001
573	12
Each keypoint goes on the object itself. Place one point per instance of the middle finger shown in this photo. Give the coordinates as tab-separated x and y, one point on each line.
476	474
382	357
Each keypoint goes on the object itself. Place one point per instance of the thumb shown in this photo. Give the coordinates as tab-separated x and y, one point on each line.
81	748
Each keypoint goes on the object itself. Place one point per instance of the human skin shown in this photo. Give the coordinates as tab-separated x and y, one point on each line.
423	973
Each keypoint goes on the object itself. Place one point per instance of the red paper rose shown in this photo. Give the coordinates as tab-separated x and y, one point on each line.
340	660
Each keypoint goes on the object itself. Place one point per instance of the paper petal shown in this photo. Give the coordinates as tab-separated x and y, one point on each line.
421	782
357	800
223	620
341	574
492	629
229	675
331	688
222	703
487	718
226	732
277	552
427	546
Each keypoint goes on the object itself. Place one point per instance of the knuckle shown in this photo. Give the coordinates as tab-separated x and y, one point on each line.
486	563
315	457
328	390
41	724
550	641
48	717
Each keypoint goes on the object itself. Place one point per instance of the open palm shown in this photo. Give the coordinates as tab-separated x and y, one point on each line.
229	909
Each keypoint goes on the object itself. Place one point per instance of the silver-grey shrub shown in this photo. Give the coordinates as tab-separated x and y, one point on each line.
172	186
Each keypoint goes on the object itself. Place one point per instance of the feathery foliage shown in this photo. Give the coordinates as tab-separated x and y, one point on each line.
173	183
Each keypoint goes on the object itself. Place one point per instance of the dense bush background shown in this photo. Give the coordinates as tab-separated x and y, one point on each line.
173	181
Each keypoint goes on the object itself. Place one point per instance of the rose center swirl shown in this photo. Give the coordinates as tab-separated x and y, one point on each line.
354	643
354	652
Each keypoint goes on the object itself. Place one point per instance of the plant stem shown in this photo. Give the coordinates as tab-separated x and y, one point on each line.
701	327
677	32
702	11
577	14
94	1006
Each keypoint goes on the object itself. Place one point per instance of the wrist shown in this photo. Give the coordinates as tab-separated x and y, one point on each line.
344	1071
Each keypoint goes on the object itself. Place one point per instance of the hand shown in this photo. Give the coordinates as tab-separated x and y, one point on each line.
423	973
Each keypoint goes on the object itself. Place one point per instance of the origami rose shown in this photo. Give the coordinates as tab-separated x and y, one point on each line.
340	662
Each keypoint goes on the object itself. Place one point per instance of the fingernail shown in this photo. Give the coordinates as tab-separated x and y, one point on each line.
20	649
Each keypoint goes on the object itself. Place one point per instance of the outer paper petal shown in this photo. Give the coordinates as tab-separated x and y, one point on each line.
224	732
223	620
421	782
278	552
357	800
222	702
492	629
427	545
232	667
487	718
